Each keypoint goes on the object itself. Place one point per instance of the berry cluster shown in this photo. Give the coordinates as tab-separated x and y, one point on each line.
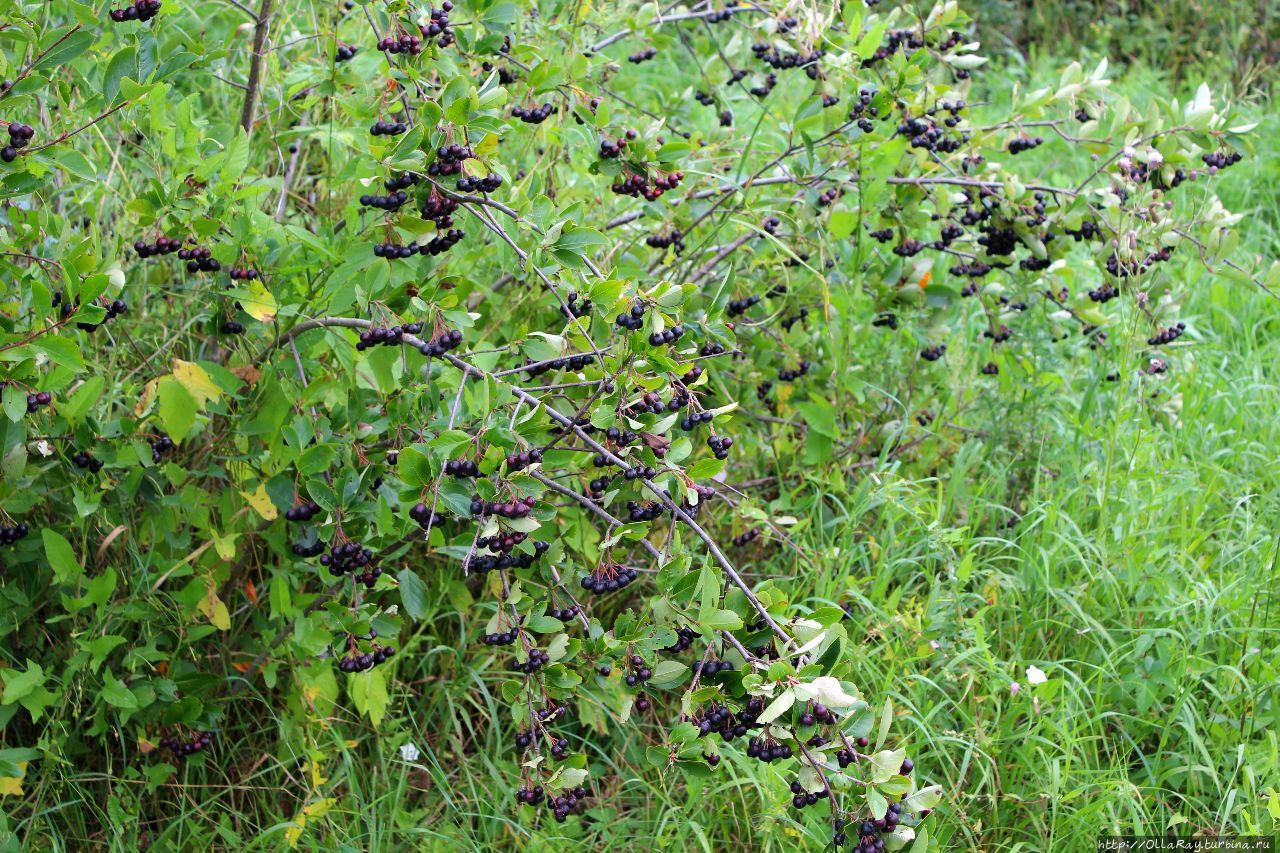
746	537
391	201
573	362
1221	160
347	558
661	241
720	446
405	43
990	369
525	458
347	51
199	260
160	447
610	149
439	25
1023	143
243	274
633	319
162	246
19	136
537	660
788	374
304	511
391	336
142	10
518	508
667	336
449	160
638	512
533	115
114	309
308	549
10	535
357	661
503	638
684	640
642	55
609	579
180	748
1164	336
425	518
712	668
437	347
84	459
740	306
933	353
800	799
690	422
768	750
387	128
637	185
1104	294
487	184
462	468
506	543
573	308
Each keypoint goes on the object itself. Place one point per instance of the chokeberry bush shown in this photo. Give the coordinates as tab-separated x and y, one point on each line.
340	339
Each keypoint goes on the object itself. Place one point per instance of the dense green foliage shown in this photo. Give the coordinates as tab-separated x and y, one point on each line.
963	491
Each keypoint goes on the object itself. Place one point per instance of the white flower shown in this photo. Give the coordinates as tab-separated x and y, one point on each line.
409	752
1035	675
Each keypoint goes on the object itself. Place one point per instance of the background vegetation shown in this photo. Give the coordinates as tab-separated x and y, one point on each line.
1067	597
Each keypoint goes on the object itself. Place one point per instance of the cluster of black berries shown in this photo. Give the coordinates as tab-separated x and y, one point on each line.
740	306
534	115
800	799
405	43
347	558
636	185
356	661
788	374
199	260
684	640
637	512
449	160
502	638
661	241
10	535
439	346
639	473
532	796
19	136
1022	143
729	725
704	99
763	90
59	300
611	149
1000	335
573	362
1214	159
691	421
1104	294
200	741
768	750
391	201
928	135
160	446
564	614
243	274
162	246
387	128
933	353
793	319
886	321
633	319
518	508
313	549
1087	231
640	673
1164	336
391	336
667	336
142	10
565	804
506	542
439	25
83	459
908	248
347	51
573	308
462	468
990	369
720	446
596	489
487	184
642	55
609	579
37	400
304	511
711	348
423	516
537	660
712	667
746	537
829	197
523	459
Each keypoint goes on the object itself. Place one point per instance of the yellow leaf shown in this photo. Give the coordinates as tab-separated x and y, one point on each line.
319	808
225	545
260	305
194	378
213	608
11	786
261	503
314	811
145	399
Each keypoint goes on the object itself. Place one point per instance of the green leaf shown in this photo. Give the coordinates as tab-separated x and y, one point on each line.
413	594
15	403
116	693
177	408
369	694
62	558
19	684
